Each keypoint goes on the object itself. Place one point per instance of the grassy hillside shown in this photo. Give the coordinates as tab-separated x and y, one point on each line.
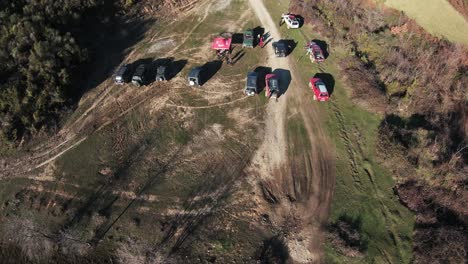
438	17
159	174
363	196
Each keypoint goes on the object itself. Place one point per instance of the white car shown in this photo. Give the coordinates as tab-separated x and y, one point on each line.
290	20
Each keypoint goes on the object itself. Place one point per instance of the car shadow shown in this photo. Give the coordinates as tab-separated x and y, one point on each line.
284	77
323	45
237	38
176	67
301	20
262	72
257	31
329	81
209	69
291	44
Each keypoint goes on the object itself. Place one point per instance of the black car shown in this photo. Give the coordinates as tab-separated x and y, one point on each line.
139	77
251	86
195	76
281	48
122	75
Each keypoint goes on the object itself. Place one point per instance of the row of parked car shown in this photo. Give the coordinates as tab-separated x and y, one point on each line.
272	86
140	76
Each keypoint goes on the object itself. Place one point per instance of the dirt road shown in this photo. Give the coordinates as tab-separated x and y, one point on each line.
303	196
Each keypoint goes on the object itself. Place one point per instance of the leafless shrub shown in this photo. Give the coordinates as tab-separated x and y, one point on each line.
32	239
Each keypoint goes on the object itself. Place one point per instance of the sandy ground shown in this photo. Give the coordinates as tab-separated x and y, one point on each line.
273	166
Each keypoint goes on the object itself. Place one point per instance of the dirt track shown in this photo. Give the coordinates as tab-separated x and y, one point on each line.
309	210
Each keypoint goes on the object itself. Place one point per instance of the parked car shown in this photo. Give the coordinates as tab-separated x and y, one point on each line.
161	73
139	77
315	52
280	48
251	86
122	75
248	39
319	89
272	86
195	76
291	20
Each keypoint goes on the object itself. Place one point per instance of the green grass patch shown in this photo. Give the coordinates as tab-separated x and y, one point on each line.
438	17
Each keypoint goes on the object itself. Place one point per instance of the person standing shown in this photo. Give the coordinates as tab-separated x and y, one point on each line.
261	41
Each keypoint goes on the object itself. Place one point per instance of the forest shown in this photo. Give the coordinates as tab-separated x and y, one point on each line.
43	45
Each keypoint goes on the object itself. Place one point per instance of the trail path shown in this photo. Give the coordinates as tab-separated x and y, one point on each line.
313	187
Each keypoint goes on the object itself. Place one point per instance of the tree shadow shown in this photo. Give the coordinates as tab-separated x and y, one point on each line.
323	46
349	229
329	81
108	53
237	38
284	77
217	185
262	72
209	69
274	250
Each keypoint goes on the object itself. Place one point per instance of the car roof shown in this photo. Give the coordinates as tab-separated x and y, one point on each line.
122	69
194	71
252	74
280	43
321	86
140	69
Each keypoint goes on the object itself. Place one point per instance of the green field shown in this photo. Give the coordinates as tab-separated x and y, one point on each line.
438	17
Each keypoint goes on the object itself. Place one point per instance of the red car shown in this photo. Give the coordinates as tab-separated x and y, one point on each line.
319	89
315	52
272	86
